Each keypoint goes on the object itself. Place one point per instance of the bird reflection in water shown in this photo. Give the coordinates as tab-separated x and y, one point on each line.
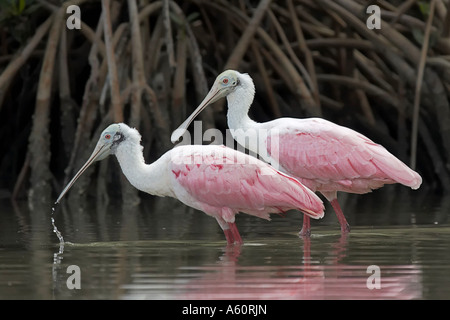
312	280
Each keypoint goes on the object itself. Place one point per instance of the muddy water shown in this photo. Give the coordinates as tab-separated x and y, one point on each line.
399	248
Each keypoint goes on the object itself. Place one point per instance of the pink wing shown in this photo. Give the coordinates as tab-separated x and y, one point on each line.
221	178
334	158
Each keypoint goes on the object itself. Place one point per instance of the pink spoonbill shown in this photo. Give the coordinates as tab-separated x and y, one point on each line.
217	180
324	156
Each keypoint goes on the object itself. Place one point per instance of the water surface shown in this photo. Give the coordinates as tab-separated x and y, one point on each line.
164	250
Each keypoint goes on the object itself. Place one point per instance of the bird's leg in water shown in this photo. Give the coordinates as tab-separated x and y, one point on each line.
306	229
230	230
228	236
235	232
345	227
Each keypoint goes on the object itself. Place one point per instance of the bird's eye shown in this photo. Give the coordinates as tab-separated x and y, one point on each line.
107	136
225	81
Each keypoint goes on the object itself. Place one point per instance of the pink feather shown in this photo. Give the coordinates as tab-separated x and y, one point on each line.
226	183
328	157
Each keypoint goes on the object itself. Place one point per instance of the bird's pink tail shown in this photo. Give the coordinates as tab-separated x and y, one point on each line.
305	200
396	170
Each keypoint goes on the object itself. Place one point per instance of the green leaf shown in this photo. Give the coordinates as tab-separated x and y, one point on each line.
21	5
418	35
193	16
424	7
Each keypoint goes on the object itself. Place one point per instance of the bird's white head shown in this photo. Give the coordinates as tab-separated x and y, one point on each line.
226	83
110	138
107	144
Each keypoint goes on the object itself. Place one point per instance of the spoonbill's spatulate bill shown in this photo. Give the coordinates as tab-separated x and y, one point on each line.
214	179
324	156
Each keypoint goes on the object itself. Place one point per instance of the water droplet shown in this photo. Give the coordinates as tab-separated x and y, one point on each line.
55	229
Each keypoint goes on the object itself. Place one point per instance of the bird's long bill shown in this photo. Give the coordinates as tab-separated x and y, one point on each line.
99	151
213	95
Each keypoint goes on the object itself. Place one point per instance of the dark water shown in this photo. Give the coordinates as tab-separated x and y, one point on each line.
163	250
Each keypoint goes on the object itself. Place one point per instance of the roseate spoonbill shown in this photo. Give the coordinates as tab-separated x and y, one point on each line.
324	156
217	180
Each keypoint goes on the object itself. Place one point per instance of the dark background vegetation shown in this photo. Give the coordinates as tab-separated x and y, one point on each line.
149	64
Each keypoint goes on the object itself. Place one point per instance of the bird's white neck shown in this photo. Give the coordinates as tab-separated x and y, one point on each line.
243	129
239	103
150	178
